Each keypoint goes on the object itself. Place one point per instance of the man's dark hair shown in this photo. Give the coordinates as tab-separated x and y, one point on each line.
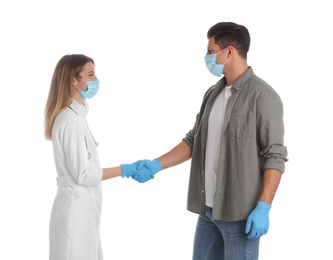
231	34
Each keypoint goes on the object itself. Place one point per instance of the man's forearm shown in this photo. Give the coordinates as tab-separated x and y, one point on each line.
180	153
270	185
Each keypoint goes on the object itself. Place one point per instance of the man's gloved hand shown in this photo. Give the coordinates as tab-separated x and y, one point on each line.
142	174
127	170
258	222
154	166
146	170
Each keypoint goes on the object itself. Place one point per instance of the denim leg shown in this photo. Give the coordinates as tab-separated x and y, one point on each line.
236	244
208	243
220	240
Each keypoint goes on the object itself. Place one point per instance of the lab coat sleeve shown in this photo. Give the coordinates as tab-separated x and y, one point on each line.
82	165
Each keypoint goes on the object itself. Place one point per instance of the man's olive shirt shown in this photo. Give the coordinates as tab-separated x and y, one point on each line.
251	141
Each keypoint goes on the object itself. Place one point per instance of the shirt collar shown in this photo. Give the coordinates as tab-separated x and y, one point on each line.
79	109
237	86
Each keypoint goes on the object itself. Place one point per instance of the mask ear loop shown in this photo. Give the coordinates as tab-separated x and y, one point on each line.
80	80
221	51
227	58
77	88
226	61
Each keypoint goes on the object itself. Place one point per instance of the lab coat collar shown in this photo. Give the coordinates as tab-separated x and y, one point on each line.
79	109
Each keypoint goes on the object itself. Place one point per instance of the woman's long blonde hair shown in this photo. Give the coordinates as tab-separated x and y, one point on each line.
61	90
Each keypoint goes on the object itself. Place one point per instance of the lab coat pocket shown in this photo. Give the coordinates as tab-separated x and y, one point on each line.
87	148
81	192
241	124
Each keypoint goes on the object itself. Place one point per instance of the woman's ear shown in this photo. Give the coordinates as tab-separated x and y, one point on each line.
75	82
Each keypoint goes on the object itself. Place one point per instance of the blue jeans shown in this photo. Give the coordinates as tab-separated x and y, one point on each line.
220	240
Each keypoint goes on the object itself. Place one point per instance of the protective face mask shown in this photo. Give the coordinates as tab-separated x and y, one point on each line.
215	69
92	88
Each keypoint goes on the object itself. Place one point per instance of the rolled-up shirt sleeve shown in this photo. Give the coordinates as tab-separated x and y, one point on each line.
271	130
189	138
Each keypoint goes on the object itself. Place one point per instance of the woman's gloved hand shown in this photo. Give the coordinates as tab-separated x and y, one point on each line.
127	170
146	170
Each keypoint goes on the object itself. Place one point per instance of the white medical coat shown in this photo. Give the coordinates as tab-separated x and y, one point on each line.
75	216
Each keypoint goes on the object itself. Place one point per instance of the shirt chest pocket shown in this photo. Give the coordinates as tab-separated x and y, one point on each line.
241	124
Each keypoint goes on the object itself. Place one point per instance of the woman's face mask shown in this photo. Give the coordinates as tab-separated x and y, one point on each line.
92	88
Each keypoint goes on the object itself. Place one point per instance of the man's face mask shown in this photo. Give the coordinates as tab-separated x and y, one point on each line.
215	69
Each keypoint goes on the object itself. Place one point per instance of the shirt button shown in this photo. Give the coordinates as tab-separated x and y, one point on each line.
203	191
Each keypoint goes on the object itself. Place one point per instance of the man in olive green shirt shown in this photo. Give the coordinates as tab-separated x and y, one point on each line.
237	151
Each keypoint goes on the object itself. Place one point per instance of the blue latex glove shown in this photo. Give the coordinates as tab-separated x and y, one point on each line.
258	222
146	170
154	166
143	174
127	170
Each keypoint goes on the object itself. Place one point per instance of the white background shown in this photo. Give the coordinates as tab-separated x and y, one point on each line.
149	59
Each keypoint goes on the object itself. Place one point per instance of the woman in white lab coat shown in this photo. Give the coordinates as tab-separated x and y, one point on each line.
75	216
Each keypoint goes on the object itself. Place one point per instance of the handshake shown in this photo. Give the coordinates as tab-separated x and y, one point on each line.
142	170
